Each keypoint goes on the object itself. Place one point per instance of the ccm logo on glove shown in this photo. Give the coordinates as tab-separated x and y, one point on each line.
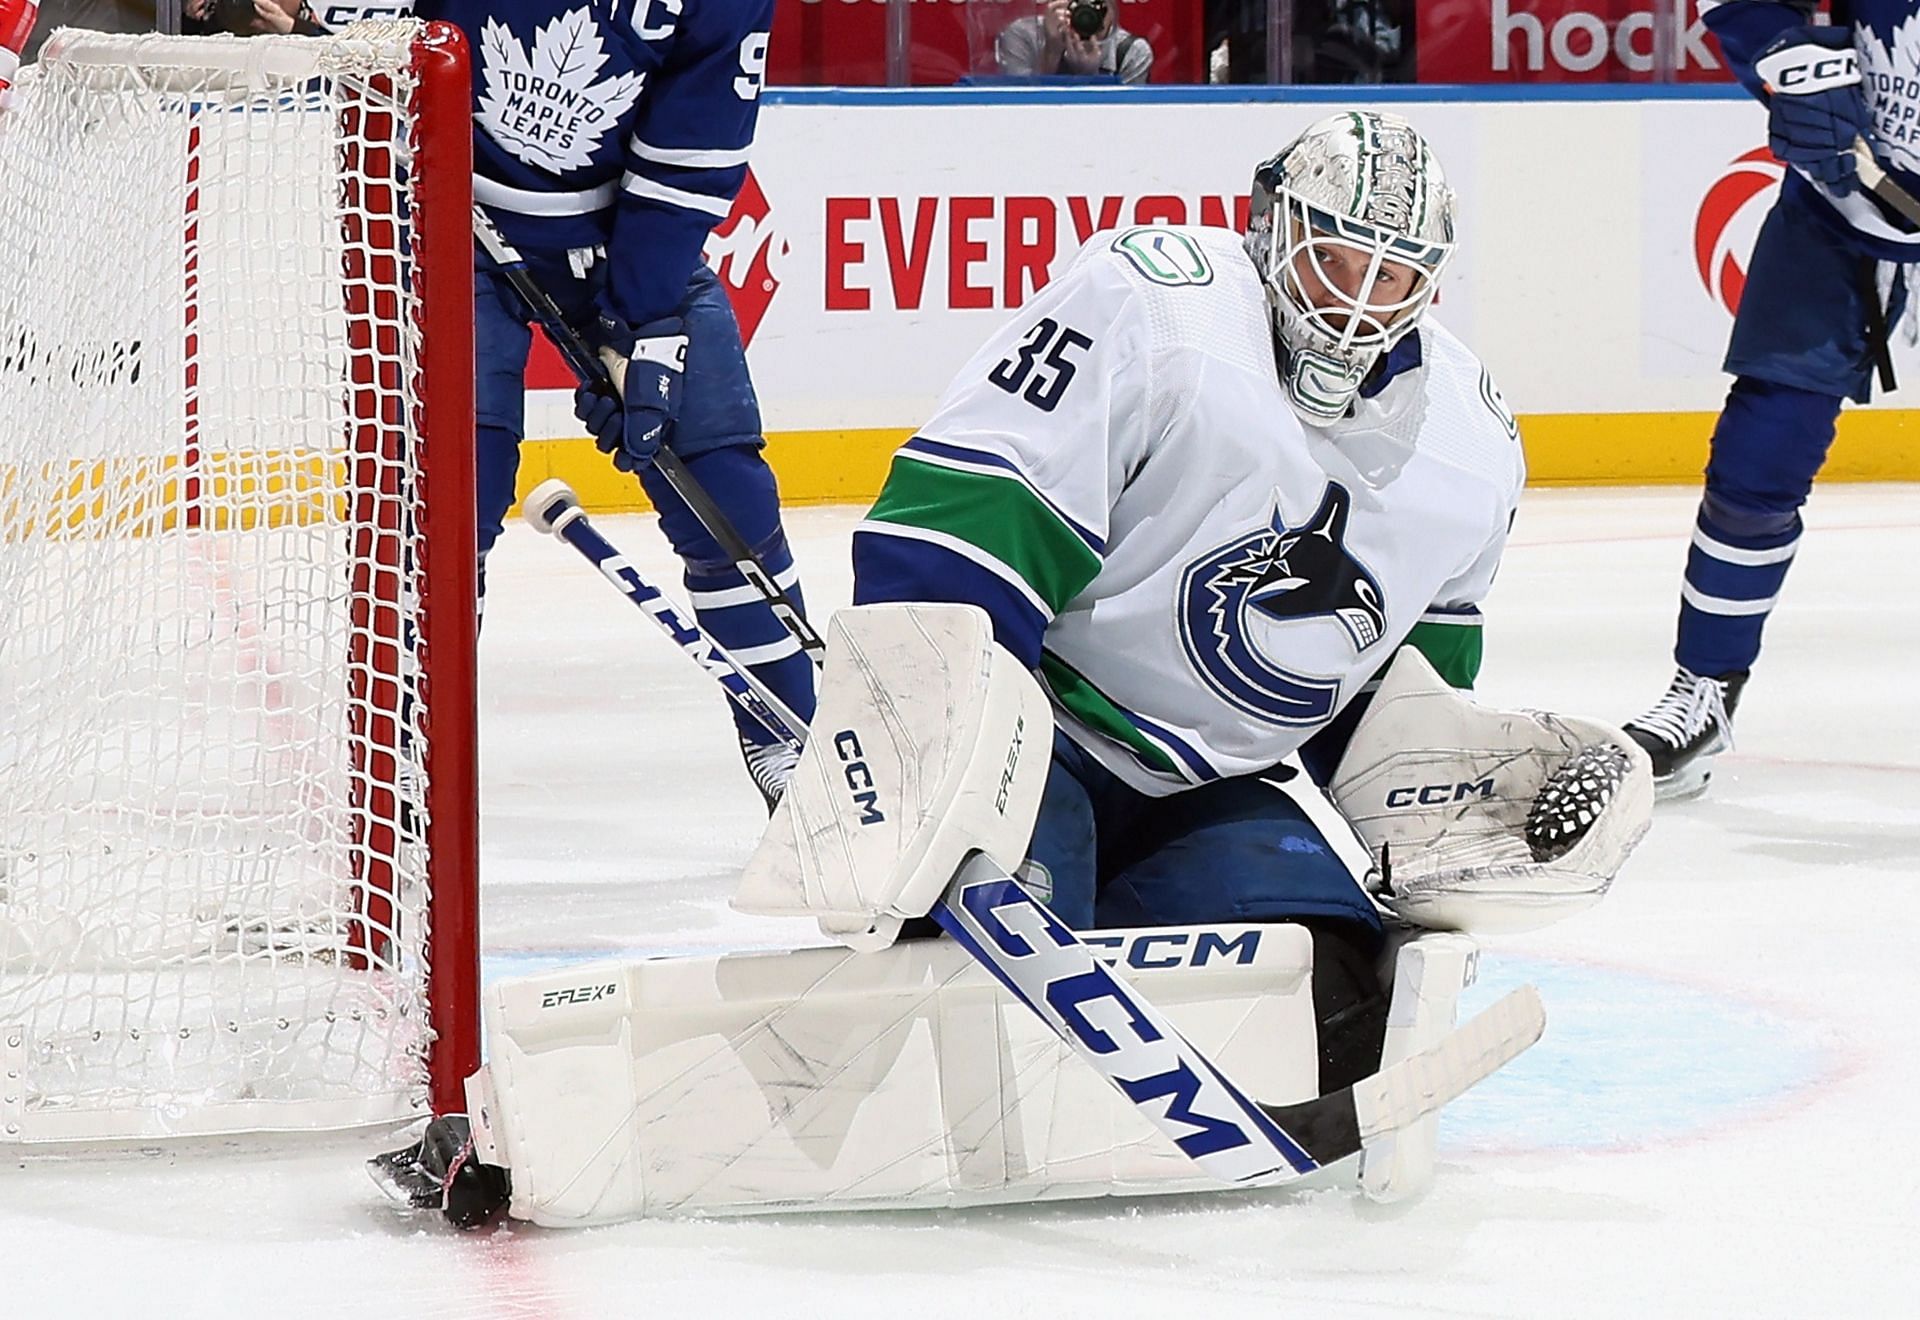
1802	69
1438	795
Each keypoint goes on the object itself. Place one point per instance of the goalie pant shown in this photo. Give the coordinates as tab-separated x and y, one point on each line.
1105	855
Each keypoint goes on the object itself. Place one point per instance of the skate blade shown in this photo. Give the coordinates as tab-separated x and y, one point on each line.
1683	785
399	1175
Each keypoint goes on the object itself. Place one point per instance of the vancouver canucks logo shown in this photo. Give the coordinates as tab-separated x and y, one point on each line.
1277	573
549	106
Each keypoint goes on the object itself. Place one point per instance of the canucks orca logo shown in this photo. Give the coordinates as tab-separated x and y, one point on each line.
1282	573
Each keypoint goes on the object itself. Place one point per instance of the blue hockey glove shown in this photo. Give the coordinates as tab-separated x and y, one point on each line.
1816	105
634	427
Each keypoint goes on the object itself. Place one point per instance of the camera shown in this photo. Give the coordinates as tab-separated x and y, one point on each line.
1087	17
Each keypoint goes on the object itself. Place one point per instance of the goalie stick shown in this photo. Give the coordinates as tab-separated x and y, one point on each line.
1107	1022
606	373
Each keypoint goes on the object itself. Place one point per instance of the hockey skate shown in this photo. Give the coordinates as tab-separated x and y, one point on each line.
1686	729
770	765
440	1173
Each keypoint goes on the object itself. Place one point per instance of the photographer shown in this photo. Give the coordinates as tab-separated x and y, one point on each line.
1076	38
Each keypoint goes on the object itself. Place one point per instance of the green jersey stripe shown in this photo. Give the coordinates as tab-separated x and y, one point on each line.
1086	703
997	513
1453	649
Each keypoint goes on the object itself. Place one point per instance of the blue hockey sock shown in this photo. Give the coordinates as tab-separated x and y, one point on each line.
1735	570
730	609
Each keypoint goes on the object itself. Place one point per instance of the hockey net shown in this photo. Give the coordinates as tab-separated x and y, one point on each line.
237	804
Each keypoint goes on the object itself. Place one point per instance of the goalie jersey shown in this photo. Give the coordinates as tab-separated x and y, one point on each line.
1203	582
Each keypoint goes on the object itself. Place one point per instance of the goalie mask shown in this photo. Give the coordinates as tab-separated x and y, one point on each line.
1350	227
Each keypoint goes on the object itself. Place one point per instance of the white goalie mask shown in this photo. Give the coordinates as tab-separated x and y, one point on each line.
1350	227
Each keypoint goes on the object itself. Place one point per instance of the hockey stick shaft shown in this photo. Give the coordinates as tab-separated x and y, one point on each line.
553	508
1876	182
591	370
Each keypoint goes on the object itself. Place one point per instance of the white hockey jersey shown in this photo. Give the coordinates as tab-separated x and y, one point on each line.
1203	582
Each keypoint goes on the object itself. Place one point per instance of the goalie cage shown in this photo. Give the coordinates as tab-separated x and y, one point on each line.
237	779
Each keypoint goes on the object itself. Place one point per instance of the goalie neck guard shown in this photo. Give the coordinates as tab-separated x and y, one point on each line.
1350	227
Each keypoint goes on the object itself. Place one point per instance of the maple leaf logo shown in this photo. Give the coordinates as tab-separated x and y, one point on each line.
550	107
747	254
1889	64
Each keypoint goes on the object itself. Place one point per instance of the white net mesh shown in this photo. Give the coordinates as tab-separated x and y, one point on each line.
213	873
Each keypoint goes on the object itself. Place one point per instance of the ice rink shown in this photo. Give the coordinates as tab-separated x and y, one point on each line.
1714	1124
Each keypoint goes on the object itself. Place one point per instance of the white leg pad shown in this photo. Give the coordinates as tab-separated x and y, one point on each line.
824	1079
1429	972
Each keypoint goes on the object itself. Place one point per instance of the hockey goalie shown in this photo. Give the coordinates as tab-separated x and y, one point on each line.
1208	507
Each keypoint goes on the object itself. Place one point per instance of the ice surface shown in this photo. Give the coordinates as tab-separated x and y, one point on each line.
1715	1125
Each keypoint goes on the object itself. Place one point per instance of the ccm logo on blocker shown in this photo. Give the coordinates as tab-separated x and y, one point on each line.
859	778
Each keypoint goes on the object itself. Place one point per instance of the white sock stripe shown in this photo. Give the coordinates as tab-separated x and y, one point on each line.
1733	554
1721	605
765	655
744	594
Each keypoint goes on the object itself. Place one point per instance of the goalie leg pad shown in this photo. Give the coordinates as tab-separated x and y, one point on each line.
824	1079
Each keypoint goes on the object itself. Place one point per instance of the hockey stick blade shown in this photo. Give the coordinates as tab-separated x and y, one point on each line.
1334	1126
1875	180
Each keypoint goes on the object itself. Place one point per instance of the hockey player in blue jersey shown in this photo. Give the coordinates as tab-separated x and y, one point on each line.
609	139
1824	282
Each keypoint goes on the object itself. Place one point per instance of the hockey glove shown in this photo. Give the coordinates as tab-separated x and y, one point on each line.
652	359
1817	106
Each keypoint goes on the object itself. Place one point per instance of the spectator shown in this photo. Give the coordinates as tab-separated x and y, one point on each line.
248	17
100	15
1077	38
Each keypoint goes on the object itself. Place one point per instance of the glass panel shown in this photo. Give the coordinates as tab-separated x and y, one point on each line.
948	42
1562	41
100	15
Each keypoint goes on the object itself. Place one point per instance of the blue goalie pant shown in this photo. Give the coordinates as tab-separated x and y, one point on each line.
1801	344
717	435
1236	850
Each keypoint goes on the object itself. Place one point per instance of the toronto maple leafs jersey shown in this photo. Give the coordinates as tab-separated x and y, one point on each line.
1202	581
615	123
1886	36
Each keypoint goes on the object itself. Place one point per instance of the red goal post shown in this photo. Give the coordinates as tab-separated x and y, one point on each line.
238	790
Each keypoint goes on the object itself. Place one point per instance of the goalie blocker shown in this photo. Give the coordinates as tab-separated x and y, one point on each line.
907	1076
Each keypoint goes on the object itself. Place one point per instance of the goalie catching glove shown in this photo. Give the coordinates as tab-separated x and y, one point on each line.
1487	820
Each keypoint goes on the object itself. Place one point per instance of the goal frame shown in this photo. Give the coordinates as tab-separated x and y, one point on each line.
437	227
